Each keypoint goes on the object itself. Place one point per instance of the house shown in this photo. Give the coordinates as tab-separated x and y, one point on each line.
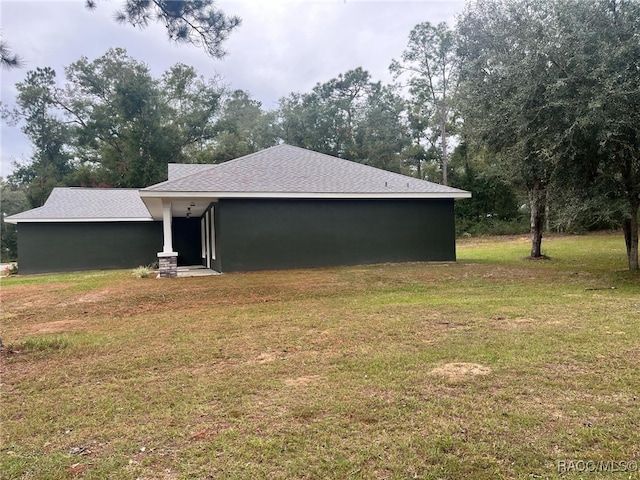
283	207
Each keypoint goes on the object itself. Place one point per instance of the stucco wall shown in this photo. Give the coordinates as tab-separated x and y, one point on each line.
58	247
272	234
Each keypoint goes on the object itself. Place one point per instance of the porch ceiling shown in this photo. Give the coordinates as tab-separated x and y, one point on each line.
180	207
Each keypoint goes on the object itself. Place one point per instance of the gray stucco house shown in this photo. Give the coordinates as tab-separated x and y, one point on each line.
283	207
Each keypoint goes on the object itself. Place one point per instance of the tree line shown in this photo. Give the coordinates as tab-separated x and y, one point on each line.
532	105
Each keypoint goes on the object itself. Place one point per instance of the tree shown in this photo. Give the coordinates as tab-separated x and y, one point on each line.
120	125
8	59
430	62
13	200
198	22
130	125
243	128
49	134
194	107
620	97
494	203
381	135
349	117
554	86
600	93
300	121
507	76
114	103
341	103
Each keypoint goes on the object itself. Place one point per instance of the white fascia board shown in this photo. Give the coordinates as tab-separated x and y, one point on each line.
76	220
216	195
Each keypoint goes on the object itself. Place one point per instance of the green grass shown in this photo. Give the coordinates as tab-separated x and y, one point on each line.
491	367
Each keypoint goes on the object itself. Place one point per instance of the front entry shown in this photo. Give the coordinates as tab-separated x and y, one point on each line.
208	237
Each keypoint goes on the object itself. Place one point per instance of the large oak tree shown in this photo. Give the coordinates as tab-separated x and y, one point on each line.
553	86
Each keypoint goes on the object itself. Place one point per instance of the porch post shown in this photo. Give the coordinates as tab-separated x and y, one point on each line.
167	259
166	227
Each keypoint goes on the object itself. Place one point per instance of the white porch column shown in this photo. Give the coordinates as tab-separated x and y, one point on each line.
167	258
166	227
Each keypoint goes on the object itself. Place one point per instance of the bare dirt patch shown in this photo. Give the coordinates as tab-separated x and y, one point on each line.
301	381
97	296
266	357
502	323
460	371
58	326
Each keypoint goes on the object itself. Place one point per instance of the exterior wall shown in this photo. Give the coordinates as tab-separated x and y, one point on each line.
273	234
58	247
213	249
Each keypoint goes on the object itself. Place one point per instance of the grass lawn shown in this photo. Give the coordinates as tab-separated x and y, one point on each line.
492	367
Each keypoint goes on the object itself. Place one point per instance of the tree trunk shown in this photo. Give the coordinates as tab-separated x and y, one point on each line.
537	202
626	228
630	228
443	134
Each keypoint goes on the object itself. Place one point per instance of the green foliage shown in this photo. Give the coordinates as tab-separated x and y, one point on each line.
38	111
8	59
243	128
505	78
143	271
382	136
123	114
13	199
121	125
199	23
553	87
466	227
495	205
431	65
349	117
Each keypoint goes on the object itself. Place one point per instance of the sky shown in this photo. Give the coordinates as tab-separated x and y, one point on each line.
282	46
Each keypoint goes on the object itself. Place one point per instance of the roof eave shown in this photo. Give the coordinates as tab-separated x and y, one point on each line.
301	195
15	221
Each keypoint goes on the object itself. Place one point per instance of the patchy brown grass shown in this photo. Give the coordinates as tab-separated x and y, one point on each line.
487	368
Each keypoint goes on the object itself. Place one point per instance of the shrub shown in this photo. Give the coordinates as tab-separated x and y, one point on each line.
490	226
143	272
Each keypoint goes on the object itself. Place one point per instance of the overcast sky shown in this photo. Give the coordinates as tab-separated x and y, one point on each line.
282	46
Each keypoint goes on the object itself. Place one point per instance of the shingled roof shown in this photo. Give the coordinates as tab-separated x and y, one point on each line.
282	171
179	170
87	204
285	170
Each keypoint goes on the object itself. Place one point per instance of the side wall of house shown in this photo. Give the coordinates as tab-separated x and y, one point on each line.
60	247
272	234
